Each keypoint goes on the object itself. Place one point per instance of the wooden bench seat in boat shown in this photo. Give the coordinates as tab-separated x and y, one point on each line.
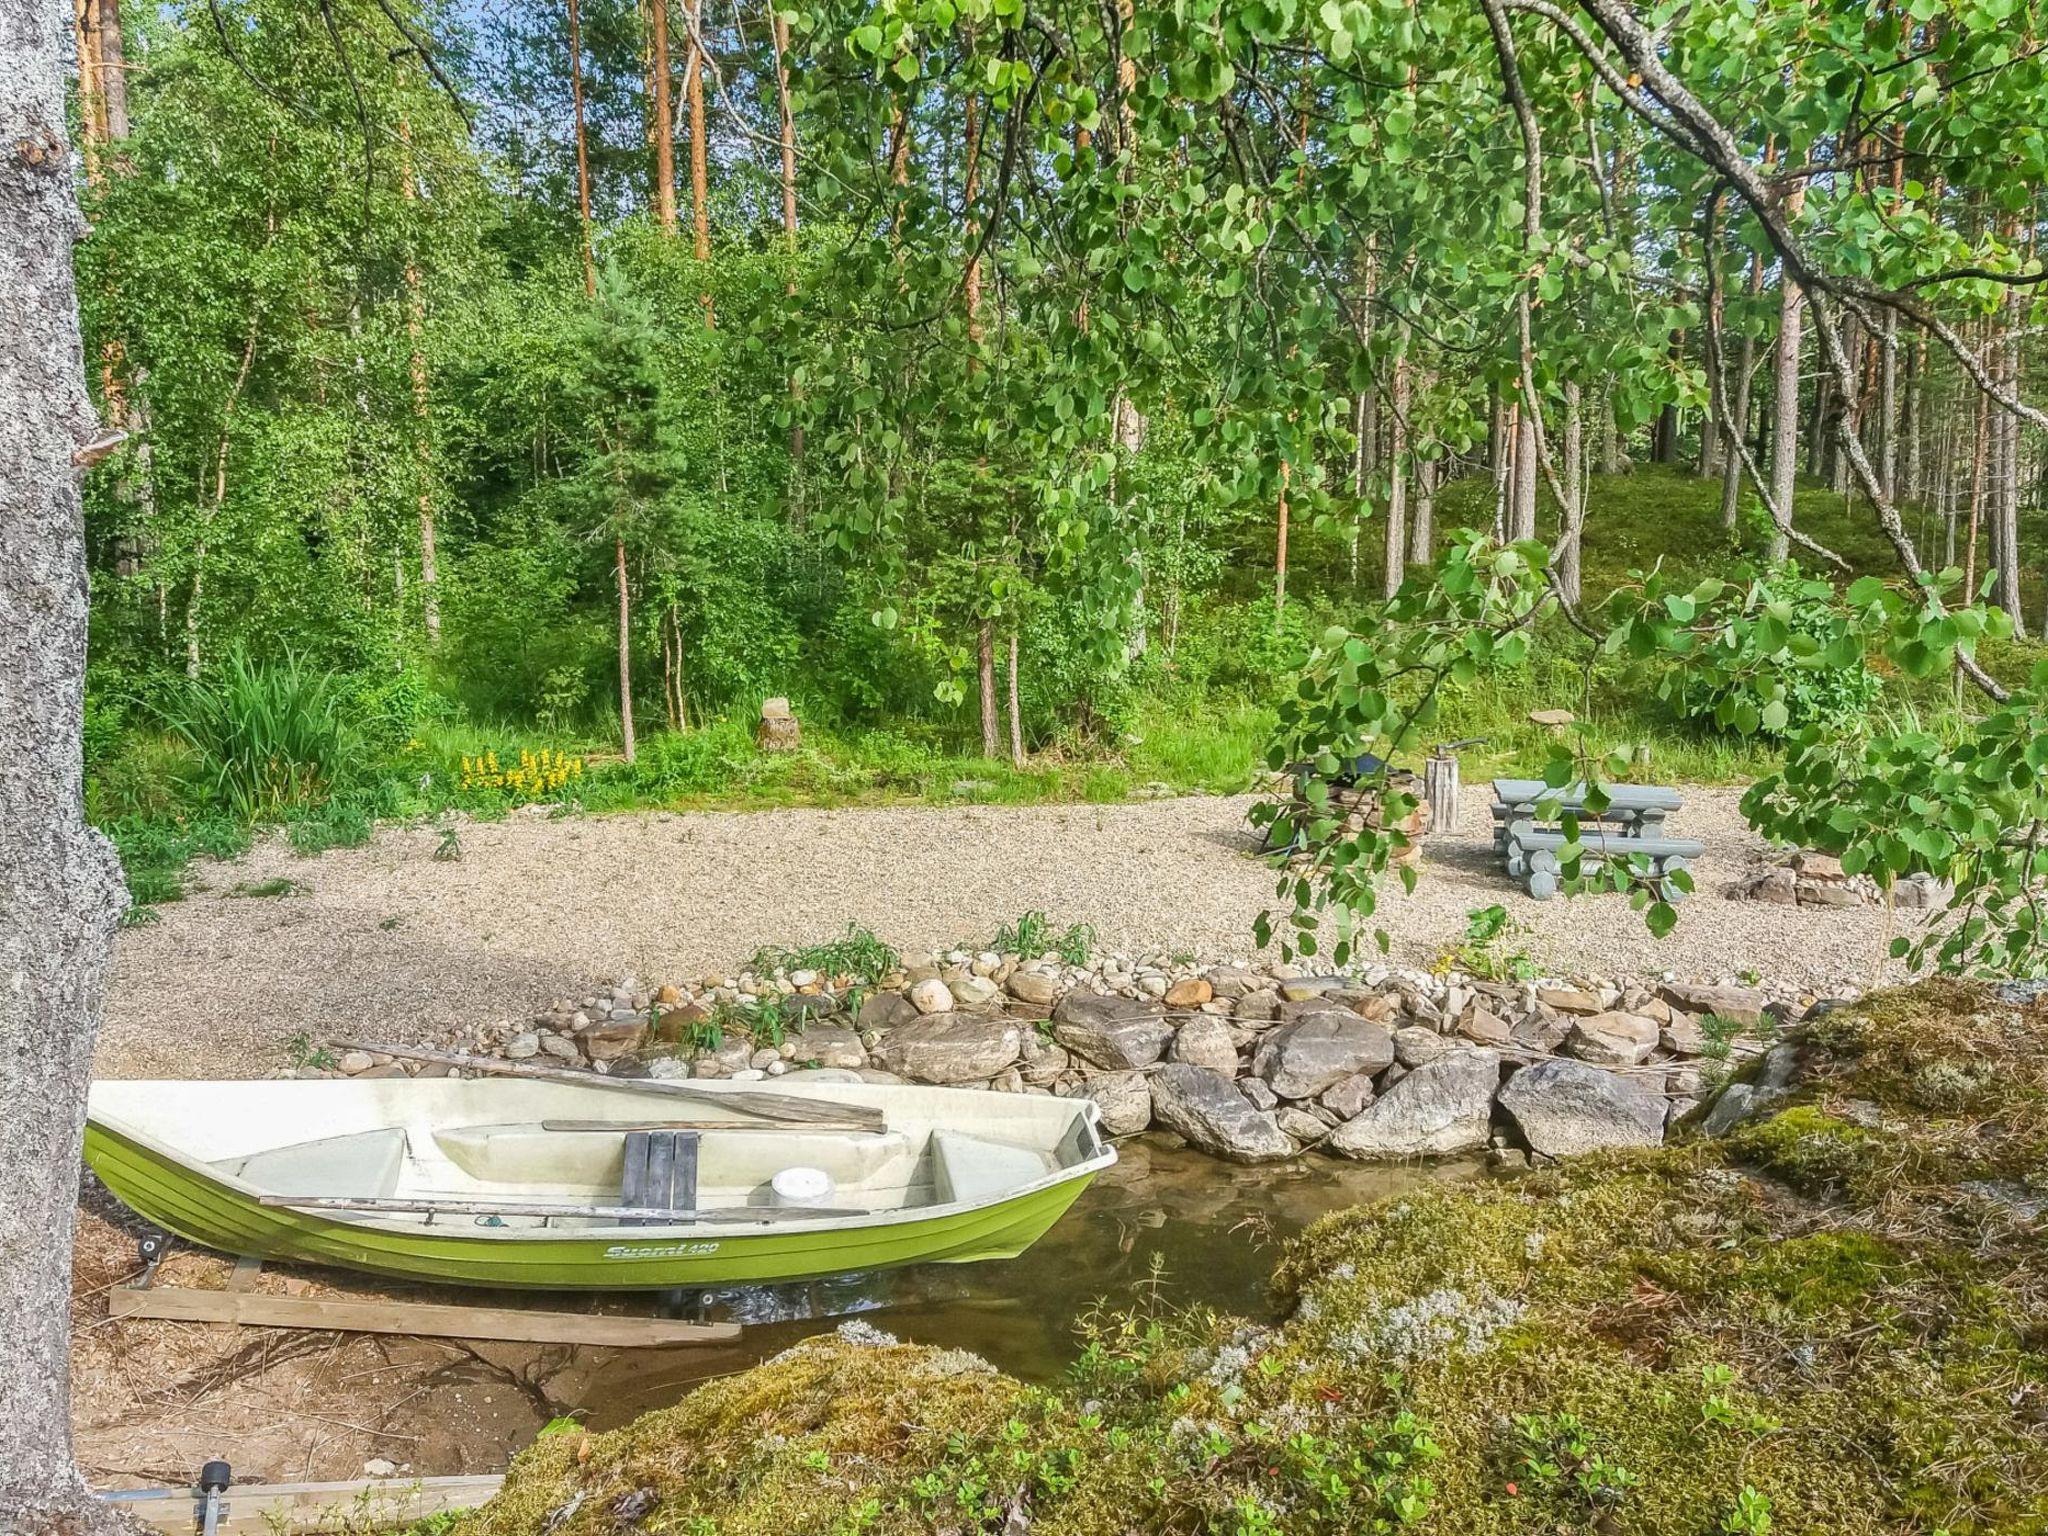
660	1173
531	1156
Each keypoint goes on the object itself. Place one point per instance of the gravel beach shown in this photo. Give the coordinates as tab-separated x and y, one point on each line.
390	942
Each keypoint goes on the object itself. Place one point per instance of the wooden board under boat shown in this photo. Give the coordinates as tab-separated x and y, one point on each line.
508	1182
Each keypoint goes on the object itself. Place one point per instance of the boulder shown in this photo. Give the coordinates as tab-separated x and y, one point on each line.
1563	1108
949	1048
931	996
1232	981
1417	1045
1191	992
885	1010
832	1045
1035	987
1259	1091
1124	1098
1319	1051
1613	1039
1569	1000
799	1006
1300	989
971	991
1301	1125
1481	1024
1258	1007
1542	1031
1446	1106
610	1041
1205	1042
1207	1109
1741	1005
1114	1032
1349	1097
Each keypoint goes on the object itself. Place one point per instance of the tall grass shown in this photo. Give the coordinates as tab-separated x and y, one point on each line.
270	735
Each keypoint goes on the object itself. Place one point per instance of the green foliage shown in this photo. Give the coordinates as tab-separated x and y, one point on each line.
857	954
1480	954
1033	935
270	736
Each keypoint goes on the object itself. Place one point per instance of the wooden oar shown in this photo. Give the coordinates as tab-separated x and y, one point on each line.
763	1106
789	1128
610	1213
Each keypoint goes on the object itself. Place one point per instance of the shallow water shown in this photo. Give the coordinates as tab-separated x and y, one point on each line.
1198	1231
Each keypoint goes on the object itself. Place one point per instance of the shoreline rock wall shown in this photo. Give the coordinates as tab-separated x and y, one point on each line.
1255	1062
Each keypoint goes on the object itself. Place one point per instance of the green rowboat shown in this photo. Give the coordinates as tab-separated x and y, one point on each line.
613	1185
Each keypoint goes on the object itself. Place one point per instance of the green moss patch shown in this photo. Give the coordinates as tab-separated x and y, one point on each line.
1806	1328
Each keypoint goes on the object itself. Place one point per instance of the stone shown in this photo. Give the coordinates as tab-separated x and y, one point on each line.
1034	987
1740	1005
800	1006
749	1075
1569	1000
1380	1007
1124	1098
931	996
765	1057
1349	1097
1301	1125
949	1048
1542	1031
1682	1036
608	1042
1563	1108
1190	992
1301	989
975	992
1258	1007
1232	981
668	995
675	1024
1552	720
1260	1092
823	1075
1301	1059
1417	1045
1206	1108
355	1063
1479	1022
1043	1062
1612	1039
885	1010
385	1069
1814	865
1154	986
1114	1032
1204	1041
1444	1107
379	1466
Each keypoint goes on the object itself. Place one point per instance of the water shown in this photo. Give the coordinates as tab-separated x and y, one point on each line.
1199	1230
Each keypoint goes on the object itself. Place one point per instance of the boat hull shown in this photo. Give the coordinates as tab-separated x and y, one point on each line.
206	1211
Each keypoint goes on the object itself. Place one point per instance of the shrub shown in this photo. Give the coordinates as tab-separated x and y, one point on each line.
270	735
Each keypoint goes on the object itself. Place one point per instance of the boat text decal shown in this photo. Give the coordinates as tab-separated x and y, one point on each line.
659	1250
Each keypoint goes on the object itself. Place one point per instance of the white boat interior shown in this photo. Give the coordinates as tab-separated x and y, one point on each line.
461	1146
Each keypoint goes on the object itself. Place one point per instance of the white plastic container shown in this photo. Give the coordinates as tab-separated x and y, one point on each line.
801	1187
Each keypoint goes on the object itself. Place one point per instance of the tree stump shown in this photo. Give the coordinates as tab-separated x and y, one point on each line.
1440	790
779	730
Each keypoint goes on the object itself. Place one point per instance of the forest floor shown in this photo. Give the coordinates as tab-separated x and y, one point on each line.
273	951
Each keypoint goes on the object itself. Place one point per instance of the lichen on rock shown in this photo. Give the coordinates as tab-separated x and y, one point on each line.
1836	1318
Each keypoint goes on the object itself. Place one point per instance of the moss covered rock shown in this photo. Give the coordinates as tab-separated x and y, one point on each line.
1834	1321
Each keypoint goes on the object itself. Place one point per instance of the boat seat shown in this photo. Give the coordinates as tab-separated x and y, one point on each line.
364	1164
660	1173
590	1161
969	1168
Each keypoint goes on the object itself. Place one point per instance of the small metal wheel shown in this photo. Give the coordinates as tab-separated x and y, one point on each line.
151	1247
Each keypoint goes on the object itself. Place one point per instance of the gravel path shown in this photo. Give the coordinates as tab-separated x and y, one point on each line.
386	940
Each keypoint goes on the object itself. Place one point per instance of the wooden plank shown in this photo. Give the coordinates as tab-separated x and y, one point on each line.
259	1508
256	1309
737	1215
723	1127
1628	797
748	1101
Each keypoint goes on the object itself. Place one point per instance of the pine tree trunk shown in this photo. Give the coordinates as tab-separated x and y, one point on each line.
625	650
664	120
700	182
62	879
582	147
786	117
423	462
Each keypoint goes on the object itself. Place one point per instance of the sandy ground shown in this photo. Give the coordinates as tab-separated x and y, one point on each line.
386	940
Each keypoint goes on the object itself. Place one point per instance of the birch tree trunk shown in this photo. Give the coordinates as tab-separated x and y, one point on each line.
59	879
1397	471
1785	403
1737	423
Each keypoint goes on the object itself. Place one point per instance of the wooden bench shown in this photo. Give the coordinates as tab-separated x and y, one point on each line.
1633	810
660	1174
1533	856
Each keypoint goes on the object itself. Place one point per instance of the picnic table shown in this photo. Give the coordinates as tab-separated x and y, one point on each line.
1629	826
